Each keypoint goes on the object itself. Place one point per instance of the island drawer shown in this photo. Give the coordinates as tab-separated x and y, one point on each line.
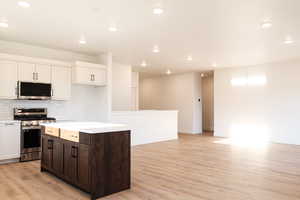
69	135
52	131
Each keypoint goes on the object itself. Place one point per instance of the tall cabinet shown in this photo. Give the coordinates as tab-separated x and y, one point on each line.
8	79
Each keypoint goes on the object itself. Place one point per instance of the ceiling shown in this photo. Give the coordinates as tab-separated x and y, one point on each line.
225	32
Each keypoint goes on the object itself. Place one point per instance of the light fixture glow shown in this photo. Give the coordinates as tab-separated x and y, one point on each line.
288	41
158	11
202	75
82	40
168	72
24	4
189	58
3	24
257	80
214	64
144	64
112	29
266	24
156	49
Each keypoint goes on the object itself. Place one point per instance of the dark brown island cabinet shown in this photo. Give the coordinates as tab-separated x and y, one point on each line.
97	163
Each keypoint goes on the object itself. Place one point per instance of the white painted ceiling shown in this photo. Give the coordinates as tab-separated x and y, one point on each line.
227	32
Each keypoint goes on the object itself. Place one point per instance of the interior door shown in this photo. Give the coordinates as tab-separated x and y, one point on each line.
61	83
26	72
8	78
43	73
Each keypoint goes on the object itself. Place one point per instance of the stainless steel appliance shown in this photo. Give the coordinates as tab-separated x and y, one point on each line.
34	91
31	118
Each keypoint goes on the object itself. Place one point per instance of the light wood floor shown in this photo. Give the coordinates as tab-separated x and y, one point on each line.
194	167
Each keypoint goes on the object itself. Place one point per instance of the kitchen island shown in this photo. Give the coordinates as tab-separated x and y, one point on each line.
95	157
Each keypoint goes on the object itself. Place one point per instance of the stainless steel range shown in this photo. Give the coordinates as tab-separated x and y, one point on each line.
31	118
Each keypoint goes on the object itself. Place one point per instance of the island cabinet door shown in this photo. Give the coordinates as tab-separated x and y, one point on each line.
57	156
84	168
46	152
70	161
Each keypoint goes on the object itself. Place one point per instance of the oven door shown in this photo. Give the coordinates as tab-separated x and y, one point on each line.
34	91
31	139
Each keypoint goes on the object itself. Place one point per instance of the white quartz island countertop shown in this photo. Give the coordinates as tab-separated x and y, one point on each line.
88	127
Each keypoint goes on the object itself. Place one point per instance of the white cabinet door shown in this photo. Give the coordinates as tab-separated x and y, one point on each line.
9	140
82	75
26	72
43	73
61	83
8	79
98	76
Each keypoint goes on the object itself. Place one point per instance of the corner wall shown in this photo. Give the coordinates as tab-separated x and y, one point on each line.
259	103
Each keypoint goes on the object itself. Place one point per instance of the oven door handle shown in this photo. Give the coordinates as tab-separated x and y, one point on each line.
31	127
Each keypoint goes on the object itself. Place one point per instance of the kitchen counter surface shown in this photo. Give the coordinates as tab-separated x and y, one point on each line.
88	127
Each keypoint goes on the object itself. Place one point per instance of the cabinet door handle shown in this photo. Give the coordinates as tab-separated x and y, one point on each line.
33	75
50	144
37	76
74	152
93	77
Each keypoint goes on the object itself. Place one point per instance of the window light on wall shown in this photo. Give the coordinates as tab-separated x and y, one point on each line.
250	81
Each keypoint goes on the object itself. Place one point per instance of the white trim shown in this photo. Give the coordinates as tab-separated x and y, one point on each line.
89	65
33	60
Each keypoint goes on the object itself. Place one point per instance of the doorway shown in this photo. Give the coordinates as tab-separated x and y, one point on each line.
208	103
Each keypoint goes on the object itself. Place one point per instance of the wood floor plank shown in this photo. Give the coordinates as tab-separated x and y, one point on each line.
192	168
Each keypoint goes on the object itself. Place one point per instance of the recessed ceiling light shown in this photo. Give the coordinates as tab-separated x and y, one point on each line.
82	40
3	24
266	24
168	72
158	11
24	4
112	29
144	64
156	49
189	58
288	40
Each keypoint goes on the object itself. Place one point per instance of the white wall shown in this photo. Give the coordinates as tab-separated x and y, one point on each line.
259	111
121	87
175	92
87	102
135	91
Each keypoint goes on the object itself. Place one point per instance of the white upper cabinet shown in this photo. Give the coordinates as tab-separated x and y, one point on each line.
26	72
43	73
29	72
89	74
61	83
8	79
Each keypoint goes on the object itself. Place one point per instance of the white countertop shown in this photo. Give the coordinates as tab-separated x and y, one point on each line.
9	122
88	127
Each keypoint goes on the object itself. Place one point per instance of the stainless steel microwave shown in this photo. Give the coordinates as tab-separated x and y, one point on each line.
34	91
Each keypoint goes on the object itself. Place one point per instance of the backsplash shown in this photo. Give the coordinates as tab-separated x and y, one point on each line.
83	106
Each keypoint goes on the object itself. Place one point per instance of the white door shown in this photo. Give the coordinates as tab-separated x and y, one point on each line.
26	72
8	79
98	76
43	73
61	83
9	140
